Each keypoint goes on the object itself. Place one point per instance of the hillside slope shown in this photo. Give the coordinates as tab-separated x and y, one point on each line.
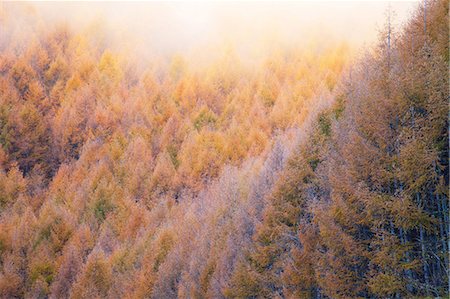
304	175
361	210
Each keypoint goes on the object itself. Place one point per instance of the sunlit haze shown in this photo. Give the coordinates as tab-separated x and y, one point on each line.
248	27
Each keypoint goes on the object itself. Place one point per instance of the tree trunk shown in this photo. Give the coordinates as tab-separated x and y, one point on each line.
423	251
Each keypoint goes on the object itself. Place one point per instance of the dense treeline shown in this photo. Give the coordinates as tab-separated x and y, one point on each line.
362	209
295	177
100	156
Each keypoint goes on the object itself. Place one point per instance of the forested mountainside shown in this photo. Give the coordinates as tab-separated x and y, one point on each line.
305	175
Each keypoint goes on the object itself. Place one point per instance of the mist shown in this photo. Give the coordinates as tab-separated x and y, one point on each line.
251	28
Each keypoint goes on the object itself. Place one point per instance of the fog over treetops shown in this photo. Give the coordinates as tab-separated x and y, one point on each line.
251	27
224	149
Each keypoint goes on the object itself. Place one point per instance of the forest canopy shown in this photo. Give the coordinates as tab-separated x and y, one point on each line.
300	169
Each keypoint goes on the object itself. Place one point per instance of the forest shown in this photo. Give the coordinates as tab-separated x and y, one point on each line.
312	172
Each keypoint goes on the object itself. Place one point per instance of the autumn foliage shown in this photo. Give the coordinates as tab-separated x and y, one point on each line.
304	175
